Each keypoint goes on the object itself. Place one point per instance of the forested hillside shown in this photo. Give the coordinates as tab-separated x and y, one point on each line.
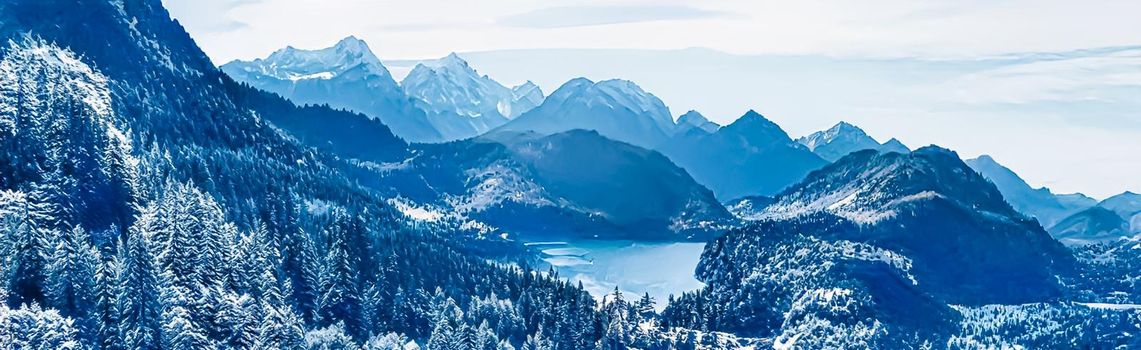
148	203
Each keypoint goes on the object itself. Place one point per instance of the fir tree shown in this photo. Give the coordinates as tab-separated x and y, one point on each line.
340	295
71	272
138	304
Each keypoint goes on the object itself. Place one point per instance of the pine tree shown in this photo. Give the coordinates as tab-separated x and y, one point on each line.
449	330
340	295
179	332
32	327
238	319
332	337
645	307
138	305
390	341
280	328
485	338
537	341
71	280
617	322
307	285
106	312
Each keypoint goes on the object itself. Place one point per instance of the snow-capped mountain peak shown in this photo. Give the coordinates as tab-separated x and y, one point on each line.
297	64
462	102
693	119
617	109
844	138
346	75
841	132
526	97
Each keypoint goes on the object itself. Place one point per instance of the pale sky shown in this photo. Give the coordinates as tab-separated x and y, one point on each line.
230	29
1070	121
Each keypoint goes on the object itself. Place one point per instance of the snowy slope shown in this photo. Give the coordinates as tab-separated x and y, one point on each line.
932	207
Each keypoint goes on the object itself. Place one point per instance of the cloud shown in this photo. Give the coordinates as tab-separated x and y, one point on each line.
207	15
583	16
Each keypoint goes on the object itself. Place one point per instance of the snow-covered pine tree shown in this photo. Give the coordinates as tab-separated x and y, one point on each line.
340	295
32	327
538	341
138	304
71	280
106	311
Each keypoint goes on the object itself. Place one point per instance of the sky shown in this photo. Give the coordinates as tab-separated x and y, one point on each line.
1030	82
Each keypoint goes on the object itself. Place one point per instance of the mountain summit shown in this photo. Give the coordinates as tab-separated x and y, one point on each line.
751	156
347	75
617	109
844	138
693	120
462	103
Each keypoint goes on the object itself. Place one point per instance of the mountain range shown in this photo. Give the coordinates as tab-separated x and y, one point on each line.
149	200
439	100
870	251
346	76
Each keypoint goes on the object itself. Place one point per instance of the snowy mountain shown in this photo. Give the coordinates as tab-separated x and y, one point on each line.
693	120
967	243
460	102
575	184
525	97
751	156
617	109
1040	203
871	251
844	138
347	75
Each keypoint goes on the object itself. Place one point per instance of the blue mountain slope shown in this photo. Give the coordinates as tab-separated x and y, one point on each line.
751	156
1091	225
576	183
1040	203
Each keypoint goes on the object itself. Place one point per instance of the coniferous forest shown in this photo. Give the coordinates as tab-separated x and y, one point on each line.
148	200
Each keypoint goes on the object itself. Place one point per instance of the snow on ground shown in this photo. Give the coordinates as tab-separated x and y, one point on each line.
418	213
1112	306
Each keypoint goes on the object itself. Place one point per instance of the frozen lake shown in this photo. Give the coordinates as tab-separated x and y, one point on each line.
660	269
